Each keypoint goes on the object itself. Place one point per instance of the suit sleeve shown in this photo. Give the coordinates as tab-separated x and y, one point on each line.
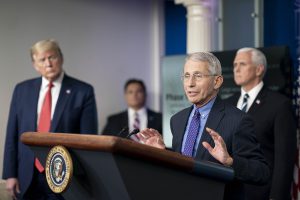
10	162
108	127
284	152
249	163
89	118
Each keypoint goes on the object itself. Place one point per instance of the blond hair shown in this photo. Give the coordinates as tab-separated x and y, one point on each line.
45	45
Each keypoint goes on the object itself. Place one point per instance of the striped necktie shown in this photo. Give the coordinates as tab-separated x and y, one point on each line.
136	123
245	102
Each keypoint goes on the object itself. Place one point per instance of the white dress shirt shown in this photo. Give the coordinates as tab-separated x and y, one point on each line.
142	113
252	95
54	94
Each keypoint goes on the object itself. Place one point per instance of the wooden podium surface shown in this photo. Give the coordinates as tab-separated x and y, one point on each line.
107	167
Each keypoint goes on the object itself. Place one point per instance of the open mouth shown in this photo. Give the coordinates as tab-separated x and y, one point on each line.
191	93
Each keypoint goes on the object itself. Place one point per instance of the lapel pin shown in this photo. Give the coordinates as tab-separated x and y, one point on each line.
68	91
257	101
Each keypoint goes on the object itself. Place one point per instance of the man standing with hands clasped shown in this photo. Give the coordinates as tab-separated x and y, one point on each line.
212	130
136	116
274	123
54	102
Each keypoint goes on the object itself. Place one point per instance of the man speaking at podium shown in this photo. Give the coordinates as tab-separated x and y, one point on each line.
55	102
212	130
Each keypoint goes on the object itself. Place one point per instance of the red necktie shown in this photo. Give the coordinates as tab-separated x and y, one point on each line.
45	115
45	120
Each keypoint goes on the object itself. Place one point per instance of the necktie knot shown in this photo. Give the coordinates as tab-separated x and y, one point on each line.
50	85
246	97
197	113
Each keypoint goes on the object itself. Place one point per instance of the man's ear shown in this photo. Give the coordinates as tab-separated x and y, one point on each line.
260	70
218	82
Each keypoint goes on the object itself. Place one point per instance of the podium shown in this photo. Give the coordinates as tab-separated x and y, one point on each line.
113	168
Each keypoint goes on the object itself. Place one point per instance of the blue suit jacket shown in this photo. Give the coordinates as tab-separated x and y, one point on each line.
237	130
75	112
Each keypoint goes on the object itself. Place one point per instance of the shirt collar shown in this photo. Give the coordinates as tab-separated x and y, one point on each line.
58	81
254	91
204	110
141	111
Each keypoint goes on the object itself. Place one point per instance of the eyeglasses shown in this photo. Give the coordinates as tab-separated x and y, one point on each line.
196	76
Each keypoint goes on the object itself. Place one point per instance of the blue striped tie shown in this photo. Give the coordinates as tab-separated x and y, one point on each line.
192	134
245	102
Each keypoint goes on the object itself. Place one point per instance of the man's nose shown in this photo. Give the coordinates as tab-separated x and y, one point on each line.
191	81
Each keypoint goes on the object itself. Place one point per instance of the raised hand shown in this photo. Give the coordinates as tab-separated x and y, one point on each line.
219	151
151	137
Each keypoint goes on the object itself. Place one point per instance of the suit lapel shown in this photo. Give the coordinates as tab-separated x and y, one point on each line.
180	126
215	116
64	95
150	117
259	100
33	102
124	122
235	98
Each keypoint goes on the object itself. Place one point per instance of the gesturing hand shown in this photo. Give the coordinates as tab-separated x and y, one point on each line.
151	137
219	151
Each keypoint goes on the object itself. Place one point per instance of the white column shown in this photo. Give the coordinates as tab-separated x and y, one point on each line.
157	51
199	24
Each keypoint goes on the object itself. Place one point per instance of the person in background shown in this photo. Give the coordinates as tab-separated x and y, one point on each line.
275	125
54	102
212	130
137	115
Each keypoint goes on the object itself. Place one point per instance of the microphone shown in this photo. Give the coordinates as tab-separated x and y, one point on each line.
135	131
123	132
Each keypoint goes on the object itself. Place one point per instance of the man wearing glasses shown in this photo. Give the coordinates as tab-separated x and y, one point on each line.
54	102
212	130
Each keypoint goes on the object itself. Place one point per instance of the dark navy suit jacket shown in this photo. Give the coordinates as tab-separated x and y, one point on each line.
276	131
75	112
237	130
115	123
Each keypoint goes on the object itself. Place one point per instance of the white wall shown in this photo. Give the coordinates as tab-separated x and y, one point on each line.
104	42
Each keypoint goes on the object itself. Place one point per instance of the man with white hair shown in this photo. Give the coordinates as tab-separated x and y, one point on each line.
274	123
212	130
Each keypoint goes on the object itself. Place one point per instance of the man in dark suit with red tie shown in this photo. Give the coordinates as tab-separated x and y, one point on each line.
212	130
55	102
274	123
137	116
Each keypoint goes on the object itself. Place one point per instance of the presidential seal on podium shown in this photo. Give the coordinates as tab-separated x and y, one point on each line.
59	169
